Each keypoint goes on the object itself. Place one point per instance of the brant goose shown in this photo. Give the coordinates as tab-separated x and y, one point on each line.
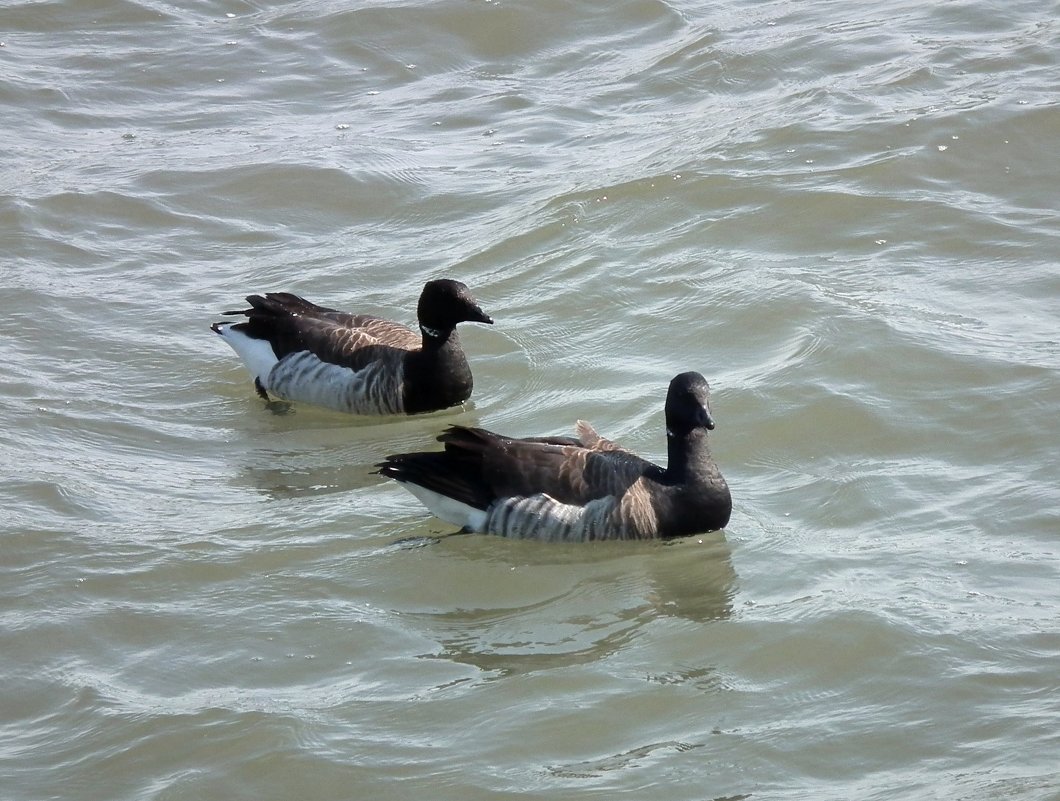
357	363
575	489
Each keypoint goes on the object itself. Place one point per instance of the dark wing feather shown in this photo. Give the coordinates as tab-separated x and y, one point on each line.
478	467
450	474
522	467
557	440
292	324
586	438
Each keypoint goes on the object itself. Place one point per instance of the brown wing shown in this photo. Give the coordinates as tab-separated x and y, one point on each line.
292	324
586	437
381	331
568	473
590	439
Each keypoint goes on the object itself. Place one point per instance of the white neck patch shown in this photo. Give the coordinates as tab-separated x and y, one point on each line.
433	333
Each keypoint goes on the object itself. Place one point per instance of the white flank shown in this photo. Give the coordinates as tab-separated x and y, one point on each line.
256	354
449	509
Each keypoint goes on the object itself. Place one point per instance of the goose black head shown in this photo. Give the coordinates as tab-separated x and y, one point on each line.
444	303
688	405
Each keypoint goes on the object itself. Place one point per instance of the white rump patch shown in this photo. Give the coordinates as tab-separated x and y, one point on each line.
448	509
257	354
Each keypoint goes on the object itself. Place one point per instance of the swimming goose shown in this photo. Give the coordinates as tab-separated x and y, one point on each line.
357	363
575	489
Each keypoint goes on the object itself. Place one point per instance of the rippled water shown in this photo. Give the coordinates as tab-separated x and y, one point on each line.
843	214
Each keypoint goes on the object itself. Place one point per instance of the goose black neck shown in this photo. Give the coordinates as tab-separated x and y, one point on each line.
435	338
687	454
437	375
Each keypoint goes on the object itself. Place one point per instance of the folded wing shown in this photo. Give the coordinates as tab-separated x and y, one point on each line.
292	324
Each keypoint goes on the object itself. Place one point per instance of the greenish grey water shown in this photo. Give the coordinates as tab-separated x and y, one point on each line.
843	214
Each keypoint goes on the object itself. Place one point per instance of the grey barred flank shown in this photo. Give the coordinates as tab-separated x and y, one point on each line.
541	517
305	378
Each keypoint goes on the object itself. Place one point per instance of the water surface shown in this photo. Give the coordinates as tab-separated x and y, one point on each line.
844	215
